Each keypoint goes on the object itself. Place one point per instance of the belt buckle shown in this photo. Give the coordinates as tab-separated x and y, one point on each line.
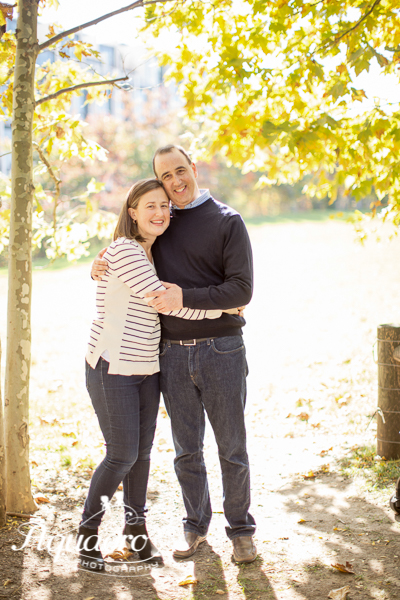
182	343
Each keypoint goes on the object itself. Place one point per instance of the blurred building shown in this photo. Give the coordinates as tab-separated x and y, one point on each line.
144	91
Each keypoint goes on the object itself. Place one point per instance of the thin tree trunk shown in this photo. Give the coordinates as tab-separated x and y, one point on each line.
2	461
19	495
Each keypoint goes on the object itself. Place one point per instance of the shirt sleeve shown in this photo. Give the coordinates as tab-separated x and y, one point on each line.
237	288
130	266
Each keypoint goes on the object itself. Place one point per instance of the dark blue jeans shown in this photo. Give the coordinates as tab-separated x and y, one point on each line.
211	377
127	408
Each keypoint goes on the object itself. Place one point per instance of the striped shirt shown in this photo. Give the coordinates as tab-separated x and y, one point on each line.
125	325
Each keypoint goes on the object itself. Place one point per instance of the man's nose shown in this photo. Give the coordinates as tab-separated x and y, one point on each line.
177	180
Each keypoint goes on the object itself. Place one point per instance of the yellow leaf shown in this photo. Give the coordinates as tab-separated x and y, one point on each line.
302	521
119	554
189	580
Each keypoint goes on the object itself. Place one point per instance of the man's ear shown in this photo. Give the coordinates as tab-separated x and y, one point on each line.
194	169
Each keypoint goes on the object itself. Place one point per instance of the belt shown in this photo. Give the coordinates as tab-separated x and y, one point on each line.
187	342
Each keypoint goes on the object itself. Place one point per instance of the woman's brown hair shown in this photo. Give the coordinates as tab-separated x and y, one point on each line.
126	226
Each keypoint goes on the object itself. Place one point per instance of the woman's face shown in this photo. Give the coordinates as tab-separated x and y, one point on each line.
152	213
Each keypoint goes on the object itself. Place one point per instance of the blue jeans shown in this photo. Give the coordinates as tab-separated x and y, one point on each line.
211	377
127	408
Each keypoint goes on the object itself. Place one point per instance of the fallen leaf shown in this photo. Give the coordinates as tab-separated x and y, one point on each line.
41	499
347	568
75	443
189	580
7	582
90	598
323	452
310	475
303	416
302	521
219	592
119	554
340	593
120	487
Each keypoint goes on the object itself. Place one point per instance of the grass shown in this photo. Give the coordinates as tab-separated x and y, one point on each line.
316	216
42	263
379	474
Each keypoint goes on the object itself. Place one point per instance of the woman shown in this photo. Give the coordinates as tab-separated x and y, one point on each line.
122	370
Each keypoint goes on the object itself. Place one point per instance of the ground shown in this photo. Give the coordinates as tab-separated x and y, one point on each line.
319	494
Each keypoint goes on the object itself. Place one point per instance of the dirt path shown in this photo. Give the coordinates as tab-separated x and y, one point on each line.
312	392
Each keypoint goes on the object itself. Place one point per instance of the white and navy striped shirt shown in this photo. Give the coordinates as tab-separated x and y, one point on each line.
125	325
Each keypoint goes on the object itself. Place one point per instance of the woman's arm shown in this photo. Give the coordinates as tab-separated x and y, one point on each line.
129	263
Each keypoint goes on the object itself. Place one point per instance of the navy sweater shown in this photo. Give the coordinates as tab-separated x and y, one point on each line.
206	251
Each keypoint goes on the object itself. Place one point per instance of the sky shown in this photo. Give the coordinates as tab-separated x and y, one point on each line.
119	29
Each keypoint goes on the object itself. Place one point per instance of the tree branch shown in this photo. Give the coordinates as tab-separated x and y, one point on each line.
78	87
337	39
57	183
63	34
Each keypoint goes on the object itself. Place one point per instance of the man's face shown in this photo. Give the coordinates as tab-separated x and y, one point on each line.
178	177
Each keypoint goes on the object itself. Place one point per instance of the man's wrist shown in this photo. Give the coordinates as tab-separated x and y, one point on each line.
188	298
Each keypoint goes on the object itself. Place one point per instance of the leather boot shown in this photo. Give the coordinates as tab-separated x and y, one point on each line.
147	551
90	556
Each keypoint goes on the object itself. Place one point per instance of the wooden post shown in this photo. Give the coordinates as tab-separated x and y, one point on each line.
388	433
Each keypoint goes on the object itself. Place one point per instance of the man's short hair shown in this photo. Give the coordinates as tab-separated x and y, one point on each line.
166	150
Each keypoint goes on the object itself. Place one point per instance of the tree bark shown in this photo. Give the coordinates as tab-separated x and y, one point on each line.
3	517
19	495
388	430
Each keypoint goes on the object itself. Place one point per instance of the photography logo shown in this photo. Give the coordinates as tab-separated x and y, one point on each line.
115	547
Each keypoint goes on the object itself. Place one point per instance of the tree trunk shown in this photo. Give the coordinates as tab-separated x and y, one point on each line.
2	462
19	496
388	431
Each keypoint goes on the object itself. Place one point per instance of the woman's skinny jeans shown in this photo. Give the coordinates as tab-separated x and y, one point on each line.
127	407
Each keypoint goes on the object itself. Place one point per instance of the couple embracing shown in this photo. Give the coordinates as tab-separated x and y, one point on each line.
192	268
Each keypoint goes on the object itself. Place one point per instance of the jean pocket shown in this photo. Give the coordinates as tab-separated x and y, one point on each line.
227	345
163	348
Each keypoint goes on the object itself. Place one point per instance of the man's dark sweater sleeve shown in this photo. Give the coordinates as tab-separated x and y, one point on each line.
237	288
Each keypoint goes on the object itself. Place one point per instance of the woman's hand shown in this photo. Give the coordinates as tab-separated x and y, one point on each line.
235	311
99	266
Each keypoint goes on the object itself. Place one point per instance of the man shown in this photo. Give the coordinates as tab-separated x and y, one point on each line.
205	256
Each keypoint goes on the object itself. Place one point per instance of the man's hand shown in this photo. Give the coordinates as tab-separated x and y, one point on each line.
99	266
166	300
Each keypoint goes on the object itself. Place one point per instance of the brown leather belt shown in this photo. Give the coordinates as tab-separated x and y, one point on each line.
187	342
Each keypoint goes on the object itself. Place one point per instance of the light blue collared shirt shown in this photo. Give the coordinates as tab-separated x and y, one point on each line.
204	195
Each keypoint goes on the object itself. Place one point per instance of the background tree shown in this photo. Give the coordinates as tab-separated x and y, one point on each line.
50	125
273	86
